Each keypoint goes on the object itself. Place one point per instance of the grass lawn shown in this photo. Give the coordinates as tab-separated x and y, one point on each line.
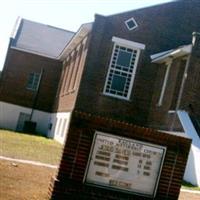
29	147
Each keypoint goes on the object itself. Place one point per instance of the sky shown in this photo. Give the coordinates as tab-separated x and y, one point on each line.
66	14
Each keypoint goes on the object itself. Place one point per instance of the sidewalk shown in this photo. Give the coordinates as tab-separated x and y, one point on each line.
29	162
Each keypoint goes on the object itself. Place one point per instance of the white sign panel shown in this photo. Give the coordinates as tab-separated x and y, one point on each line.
125	164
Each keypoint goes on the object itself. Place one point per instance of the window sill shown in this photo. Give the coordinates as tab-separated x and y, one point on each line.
115	97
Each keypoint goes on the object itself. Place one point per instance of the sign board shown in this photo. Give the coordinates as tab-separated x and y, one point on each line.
125	164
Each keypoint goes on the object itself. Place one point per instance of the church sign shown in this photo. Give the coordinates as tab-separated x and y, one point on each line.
125	164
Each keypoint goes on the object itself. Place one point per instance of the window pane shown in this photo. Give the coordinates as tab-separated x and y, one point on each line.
118	83
33	81
124	59
131	24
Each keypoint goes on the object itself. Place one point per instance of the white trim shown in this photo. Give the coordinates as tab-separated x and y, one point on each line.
173	53
134	72
171	111
128	43
131	19
188	127
60	123
164	83
16	27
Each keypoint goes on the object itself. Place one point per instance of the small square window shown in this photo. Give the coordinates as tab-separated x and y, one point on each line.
131	23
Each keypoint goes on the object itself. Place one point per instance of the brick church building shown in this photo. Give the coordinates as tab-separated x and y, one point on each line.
139	67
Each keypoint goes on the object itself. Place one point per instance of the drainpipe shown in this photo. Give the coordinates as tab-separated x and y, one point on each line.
194	39
36	95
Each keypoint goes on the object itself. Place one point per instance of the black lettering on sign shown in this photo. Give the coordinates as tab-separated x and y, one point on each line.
101	164
108	148
148	163
147	167
139	166
119	184
137	154
121	162
103	153
102	158
146	173
121	168
102	174
146	156
122	157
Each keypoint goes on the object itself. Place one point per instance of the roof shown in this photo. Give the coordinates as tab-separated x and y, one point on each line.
39	38
78	36
162	57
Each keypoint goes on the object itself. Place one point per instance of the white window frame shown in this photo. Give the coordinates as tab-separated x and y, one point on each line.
131	19
127	44
31	87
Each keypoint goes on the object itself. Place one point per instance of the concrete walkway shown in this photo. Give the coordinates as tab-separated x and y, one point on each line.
29	162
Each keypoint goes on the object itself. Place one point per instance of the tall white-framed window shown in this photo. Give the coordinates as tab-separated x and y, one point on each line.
122	68
33	81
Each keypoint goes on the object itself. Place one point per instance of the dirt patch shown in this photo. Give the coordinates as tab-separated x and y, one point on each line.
188	196
27	182
24	182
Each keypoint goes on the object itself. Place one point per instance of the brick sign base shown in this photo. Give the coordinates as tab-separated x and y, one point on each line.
70	183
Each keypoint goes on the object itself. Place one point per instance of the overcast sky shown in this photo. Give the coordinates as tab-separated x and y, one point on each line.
66	14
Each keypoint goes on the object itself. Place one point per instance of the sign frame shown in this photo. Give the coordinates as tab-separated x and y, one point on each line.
107	186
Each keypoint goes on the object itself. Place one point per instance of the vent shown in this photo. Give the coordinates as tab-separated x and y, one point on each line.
131	24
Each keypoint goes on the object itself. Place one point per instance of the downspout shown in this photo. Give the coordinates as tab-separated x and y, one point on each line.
36	95
194	34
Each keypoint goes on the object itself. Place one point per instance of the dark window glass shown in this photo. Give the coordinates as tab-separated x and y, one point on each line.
118	83
131	24
124	59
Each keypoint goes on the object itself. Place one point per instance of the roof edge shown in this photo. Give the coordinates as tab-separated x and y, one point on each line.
78	36
33	52
142	8
16	27
173	53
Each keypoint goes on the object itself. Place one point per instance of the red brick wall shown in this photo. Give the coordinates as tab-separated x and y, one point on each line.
69	183
15	75
159	116
71	77
162	33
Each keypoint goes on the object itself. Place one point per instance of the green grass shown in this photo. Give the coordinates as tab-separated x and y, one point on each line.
29	147
189	186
